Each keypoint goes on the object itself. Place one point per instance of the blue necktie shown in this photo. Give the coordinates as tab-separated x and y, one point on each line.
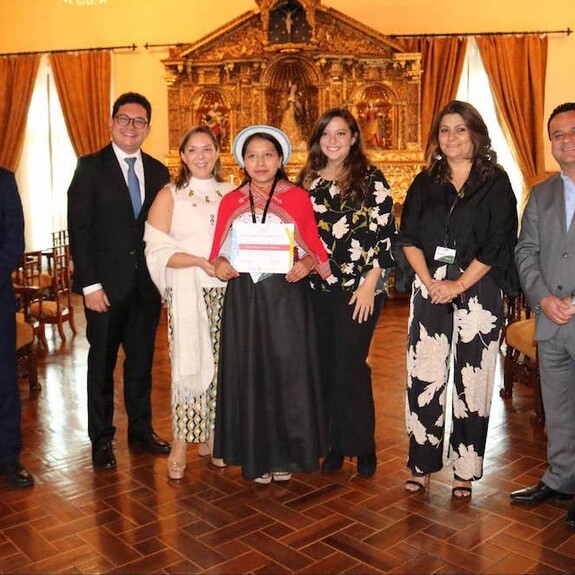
134	186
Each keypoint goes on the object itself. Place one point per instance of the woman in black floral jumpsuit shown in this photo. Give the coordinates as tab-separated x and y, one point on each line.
353	208
458	232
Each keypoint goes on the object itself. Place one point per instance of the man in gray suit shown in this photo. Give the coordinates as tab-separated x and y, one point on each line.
545	257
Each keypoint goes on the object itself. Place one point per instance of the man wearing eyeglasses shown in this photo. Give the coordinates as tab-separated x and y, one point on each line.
108	203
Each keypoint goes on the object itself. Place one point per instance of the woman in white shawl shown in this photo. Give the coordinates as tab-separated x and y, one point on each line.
178	237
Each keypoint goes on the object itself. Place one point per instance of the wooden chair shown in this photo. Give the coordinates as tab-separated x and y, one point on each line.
32	284
25	353
520	363
58	307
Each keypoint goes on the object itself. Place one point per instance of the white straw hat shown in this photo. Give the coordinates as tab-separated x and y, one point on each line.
276	133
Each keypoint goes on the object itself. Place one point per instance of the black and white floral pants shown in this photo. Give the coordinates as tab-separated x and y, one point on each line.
467	329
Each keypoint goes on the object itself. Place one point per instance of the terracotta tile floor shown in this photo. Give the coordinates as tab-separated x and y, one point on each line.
133	520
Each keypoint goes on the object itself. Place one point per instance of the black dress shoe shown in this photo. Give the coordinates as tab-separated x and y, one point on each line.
151	443
103	455
366	465
333	461
570	517
537	494
17	475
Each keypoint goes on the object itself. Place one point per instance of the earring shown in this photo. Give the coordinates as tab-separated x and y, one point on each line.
438	157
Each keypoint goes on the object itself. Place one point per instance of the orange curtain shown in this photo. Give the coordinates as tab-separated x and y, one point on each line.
17	78
83	83
443	60
441	64
516	69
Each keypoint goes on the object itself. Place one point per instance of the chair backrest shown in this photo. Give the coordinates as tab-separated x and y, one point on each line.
515	308
29	270
61	284
60	238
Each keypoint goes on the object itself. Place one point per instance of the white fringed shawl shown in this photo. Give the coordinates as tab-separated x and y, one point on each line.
191	350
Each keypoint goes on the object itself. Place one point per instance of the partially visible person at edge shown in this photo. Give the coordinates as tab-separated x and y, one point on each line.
458	232
544	258
108	202
354	212
269	414
178	236
11	251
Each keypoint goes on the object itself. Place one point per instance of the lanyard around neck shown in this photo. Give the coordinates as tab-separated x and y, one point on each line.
252	203
459	196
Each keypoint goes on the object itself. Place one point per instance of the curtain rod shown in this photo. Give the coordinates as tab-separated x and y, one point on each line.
567	32
176	45
129	47
147	46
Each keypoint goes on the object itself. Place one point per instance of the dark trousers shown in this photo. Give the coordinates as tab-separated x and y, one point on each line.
346	376
10	438
131	323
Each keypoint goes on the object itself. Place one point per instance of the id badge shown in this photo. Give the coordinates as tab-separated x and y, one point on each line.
444	255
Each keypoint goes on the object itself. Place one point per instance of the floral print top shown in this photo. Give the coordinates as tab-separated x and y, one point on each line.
356	238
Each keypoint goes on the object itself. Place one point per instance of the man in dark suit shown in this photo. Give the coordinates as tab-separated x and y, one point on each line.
11	250
545	257
108	202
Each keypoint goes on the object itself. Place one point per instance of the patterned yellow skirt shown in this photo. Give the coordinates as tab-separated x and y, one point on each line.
194	421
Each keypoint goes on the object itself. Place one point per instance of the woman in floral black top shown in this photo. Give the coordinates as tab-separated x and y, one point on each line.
353	209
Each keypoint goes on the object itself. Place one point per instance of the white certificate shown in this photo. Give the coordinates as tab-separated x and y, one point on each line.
262	248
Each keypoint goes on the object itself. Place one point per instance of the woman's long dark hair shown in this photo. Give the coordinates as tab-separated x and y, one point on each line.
484	158
352	181
184	173
281	173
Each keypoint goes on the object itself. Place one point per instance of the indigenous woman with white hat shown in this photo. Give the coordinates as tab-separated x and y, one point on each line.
269	418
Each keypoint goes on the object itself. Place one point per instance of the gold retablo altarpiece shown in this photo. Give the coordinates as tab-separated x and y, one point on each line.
285	63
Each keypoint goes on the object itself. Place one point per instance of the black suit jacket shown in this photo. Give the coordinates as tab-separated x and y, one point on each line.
11	238
106	241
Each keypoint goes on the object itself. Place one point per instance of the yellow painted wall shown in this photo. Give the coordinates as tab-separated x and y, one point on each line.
51	24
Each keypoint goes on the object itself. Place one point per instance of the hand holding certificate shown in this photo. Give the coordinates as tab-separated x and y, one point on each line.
262	248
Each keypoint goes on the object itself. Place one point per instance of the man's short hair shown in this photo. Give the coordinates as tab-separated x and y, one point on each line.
566	107
133	98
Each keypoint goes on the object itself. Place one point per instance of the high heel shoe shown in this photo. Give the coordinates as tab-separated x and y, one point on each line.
366	465
176	470
177	460
333	461
462	491
417	483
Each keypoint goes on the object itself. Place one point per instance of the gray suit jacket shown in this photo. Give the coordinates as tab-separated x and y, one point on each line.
545	252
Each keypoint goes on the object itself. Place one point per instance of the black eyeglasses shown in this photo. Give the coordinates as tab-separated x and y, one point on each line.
123	120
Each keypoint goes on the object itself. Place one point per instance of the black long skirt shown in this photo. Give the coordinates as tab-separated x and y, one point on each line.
269	415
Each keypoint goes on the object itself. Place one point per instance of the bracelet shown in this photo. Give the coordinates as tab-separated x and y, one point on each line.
462	286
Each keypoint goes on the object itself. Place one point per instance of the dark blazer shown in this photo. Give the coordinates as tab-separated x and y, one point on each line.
106	242
11	238
545	253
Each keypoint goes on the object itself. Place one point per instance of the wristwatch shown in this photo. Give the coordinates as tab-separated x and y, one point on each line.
572	300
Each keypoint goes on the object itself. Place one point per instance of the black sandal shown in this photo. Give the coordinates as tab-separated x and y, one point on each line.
420	486
461	491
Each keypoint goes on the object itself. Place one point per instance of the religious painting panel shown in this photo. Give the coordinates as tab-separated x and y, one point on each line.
210	109
376	115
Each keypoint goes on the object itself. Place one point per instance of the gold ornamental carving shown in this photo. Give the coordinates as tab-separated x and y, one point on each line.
284	64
